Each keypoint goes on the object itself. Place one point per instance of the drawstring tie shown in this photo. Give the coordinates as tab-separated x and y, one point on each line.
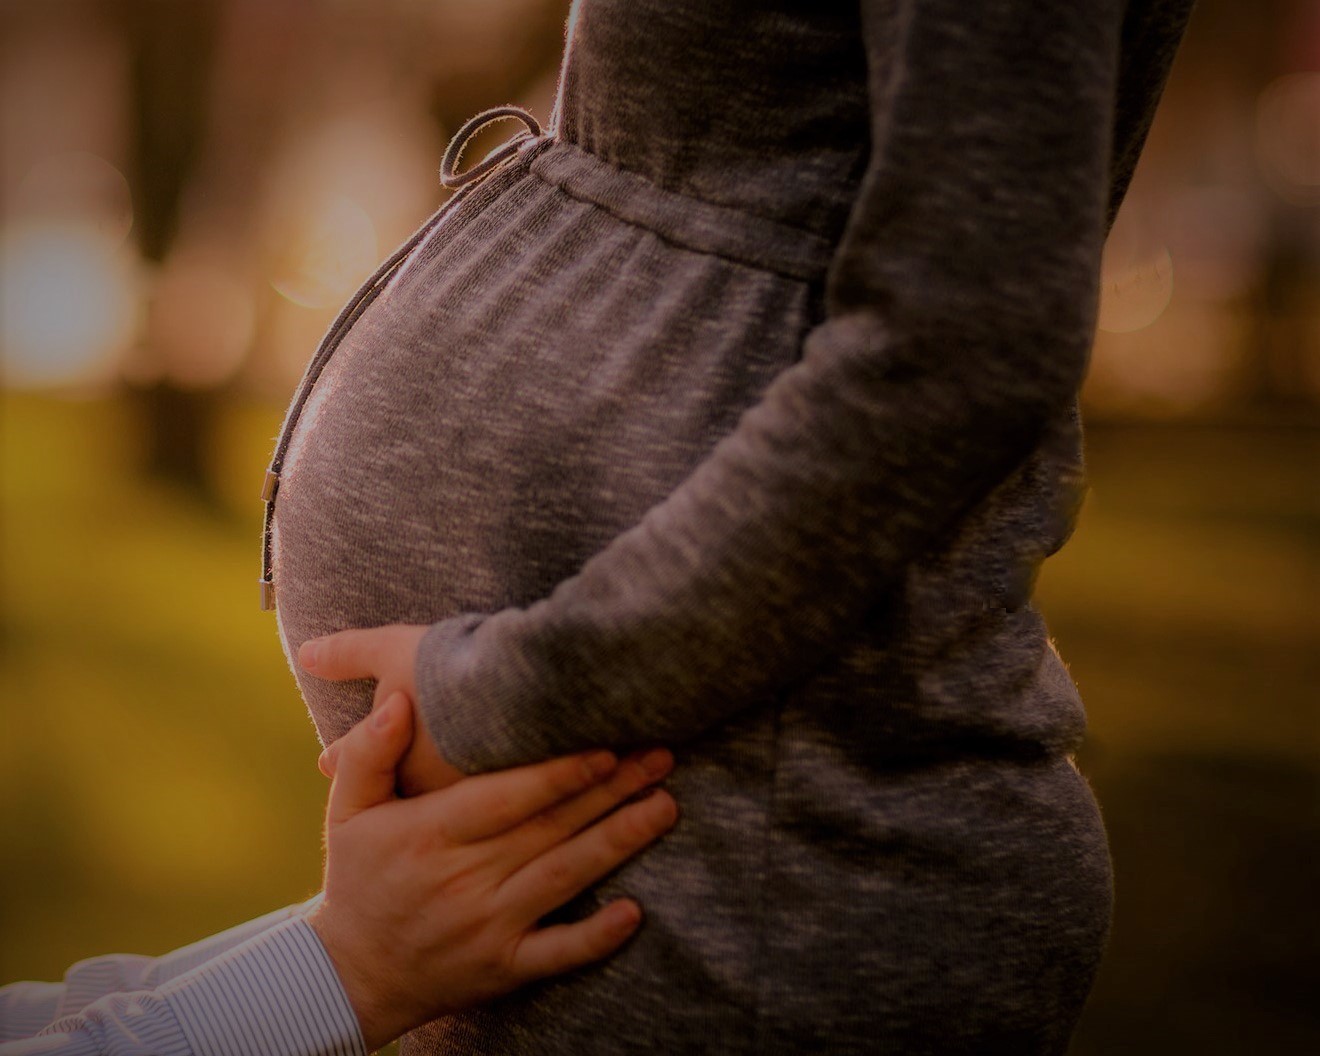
462	182
469	128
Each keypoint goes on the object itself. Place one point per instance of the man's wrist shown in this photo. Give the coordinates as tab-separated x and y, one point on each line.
279	984
365	984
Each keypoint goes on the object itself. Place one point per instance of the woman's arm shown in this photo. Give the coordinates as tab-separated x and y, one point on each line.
960	311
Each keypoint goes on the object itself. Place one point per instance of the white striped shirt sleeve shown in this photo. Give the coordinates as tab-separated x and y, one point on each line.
27	1007
275	994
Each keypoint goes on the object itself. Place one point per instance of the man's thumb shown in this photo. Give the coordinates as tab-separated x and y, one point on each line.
368	756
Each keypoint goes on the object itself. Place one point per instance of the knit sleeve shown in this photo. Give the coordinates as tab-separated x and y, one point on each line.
960	309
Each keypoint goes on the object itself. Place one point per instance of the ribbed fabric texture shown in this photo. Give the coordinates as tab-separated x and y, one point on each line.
738	412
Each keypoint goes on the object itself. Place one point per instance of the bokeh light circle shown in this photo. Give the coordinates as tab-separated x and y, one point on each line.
78	187
68	303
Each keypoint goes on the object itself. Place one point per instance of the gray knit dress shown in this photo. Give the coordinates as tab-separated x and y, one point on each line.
736	411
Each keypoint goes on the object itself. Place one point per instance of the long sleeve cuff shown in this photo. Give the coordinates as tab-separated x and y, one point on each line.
92	979
278	992
26	1008
275	993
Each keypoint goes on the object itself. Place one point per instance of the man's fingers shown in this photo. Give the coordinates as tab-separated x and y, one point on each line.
562	947
550	880
572	815
348	654
367	758
486	805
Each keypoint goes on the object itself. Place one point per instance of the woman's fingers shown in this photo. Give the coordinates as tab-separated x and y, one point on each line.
487	805
551	879
348	654
367	757
372	652
328	759
563	947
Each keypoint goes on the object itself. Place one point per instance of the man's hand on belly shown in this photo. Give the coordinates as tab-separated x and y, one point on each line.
434	904
388	655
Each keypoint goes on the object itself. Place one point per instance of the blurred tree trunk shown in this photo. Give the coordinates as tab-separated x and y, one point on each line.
170	45
1284	305
211	80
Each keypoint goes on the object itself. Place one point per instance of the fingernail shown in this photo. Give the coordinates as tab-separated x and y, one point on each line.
308	654
386	712
626	917
657	762
670	816
601	764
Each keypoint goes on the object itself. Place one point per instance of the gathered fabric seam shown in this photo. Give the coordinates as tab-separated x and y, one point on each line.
669	239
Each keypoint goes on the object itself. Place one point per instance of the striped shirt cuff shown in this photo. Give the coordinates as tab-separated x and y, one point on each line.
119	973
276	993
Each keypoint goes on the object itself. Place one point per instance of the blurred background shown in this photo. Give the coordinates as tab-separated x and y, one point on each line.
189	189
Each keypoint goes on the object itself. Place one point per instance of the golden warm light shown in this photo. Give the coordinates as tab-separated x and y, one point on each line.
328	251
1136	280
190	193
200	323
78	186
1134	297
1288	136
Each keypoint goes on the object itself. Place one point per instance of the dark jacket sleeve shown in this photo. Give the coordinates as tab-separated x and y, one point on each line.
960	314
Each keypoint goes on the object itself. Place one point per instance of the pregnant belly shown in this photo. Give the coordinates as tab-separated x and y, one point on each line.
536	378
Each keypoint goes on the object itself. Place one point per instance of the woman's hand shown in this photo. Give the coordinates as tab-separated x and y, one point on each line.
431	903
388	655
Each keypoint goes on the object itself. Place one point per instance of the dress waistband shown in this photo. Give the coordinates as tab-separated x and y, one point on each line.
682	219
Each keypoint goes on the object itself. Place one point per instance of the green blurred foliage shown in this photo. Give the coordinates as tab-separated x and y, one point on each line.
157	770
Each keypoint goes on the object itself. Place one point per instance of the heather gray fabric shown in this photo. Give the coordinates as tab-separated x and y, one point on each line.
737	412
